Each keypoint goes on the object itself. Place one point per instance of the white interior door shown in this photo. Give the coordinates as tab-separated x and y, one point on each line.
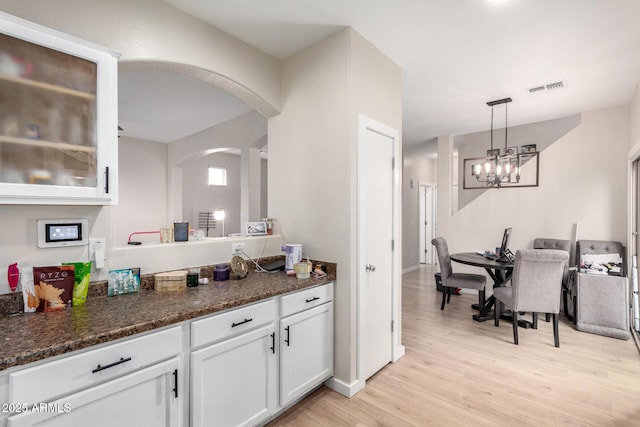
427	223
375	245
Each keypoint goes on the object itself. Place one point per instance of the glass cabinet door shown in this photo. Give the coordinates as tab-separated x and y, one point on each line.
58	138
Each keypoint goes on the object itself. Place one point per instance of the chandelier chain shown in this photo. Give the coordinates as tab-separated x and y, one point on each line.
506	126
492	128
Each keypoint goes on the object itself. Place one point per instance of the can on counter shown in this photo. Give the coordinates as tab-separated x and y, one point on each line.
192	280
221	272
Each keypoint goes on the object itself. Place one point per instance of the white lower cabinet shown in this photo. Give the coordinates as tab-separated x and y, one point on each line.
234	376
130	383
306	345
145	398
234	383
243	377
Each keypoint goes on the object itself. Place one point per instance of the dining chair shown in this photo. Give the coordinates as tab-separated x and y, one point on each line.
536	285
601	301
564	245
453	280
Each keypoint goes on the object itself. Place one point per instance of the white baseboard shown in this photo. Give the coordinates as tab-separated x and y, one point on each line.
398	353
347	390
410	269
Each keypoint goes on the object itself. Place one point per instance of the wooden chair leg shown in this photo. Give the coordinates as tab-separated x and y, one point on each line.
575	309
444	297
535	319
556	338
449	292
515	326
496	313
547	317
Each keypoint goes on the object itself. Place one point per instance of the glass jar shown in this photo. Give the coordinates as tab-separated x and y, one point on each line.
269	223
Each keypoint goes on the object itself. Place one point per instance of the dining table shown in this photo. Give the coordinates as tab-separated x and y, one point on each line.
500	272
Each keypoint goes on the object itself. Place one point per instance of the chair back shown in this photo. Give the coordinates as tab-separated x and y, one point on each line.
601	247
544	243
559	244
537	280
443	257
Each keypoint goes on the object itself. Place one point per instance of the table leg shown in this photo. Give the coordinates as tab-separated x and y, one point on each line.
485	312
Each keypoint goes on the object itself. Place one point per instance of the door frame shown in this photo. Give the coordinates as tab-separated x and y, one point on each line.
366	124
423	242
633	236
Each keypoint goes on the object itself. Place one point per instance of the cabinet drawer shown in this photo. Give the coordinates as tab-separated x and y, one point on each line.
224	325
48	380
302	300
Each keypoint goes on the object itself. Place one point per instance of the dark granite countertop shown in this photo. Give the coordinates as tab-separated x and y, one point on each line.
29	337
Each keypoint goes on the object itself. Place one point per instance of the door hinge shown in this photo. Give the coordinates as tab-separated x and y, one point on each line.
392	245
392	326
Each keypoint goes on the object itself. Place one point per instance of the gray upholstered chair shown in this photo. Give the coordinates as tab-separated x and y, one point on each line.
535	287
601	302
451	280
562	245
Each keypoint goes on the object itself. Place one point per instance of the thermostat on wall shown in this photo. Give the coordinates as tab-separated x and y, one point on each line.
62	232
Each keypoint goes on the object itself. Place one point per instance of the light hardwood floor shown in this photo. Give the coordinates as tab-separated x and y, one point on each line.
457	372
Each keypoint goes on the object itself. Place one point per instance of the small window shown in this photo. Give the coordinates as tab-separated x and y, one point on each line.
217	175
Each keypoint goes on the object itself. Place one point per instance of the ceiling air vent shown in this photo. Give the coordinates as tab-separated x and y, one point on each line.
555	86
536	90
547	88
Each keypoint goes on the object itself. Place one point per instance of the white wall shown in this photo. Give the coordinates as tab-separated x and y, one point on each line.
474	145
197	196
418	168
247	130
583	180
309	182
634	113
312	158
142	190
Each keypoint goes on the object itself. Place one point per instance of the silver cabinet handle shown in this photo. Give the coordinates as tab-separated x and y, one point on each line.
370	268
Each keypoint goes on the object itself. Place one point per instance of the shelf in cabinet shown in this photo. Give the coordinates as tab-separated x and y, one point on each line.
47	86
62	146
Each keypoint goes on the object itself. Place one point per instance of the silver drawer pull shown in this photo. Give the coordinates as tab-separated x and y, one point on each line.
111	365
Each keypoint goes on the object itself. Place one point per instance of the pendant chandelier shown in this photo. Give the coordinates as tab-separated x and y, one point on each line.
498	168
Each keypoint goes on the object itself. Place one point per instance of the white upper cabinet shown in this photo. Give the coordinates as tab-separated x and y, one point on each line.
58	117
